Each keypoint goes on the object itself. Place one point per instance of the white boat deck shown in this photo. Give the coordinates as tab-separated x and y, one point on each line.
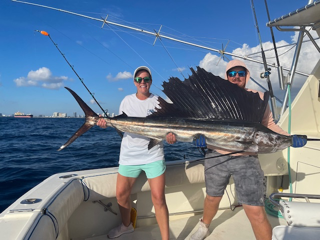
227	225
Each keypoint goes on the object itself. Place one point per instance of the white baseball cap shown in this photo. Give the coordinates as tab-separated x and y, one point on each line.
142	68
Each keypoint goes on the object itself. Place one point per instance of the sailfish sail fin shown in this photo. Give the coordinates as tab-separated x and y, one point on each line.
204	95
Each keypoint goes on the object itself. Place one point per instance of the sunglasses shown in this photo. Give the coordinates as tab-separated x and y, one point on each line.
234	73
139	79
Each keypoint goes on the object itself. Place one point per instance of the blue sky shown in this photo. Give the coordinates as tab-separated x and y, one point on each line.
33	73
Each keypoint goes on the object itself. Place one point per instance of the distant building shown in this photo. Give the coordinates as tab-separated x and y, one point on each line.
75	114
0	114
59	115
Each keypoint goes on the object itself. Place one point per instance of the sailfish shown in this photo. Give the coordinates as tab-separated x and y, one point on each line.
228	116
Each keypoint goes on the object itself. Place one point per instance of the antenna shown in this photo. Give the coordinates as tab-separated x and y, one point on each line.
157	34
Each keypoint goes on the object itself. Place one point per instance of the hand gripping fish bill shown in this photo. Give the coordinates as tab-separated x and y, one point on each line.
204	104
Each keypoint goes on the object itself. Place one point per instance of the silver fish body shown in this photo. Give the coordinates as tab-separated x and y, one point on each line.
227	116
226	135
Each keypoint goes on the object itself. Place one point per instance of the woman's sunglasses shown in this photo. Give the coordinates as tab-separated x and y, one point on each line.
234	73
139	79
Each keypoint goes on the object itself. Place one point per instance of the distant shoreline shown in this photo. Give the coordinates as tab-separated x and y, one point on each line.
41	117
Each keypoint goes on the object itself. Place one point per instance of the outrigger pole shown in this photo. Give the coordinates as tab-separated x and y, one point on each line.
81	80
156	34
266	69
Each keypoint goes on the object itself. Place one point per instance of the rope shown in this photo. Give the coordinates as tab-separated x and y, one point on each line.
270	209
54	220
84	188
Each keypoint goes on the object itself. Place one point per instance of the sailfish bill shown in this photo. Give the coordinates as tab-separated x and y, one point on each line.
227	116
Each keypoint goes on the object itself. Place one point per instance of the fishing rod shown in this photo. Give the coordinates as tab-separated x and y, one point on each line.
280	73
267	73
155	34
56	45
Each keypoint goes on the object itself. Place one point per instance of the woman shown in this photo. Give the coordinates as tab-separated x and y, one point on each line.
135	157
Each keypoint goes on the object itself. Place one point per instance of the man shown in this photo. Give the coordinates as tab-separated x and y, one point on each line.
245	169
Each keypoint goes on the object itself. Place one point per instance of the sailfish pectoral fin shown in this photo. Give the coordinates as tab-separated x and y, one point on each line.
153	142
85	127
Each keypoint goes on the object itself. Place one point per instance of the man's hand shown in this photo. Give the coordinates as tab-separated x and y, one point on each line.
200	142
102	122
171	138
299	140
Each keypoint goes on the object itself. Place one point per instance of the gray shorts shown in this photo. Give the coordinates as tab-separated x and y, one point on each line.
246	172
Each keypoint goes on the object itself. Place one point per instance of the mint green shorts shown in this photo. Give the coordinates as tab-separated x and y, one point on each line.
152	170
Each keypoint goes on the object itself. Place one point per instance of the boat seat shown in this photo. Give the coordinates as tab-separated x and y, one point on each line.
303	218
295	233
52	221
301	214
99	187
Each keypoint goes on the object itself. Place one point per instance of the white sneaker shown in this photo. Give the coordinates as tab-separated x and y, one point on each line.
121	229
202	232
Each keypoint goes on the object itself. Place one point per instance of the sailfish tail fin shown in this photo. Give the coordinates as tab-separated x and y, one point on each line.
91	119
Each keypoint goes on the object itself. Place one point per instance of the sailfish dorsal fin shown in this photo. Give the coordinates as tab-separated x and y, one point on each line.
204	95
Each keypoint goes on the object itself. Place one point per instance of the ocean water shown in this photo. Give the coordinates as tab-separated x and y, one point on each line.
29	153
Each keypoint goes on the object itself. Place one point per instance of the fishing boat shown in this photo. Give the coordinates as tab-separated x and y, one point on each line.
82	205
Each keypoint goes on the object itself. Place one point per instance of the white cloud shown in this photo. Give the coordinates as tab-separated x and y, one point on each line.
41	78
308	51
179	69
209	63
120	89
92	101
79	42
120	76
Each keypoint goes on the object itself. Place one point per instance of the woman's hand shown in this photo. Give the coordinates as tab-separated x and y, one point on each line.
102	122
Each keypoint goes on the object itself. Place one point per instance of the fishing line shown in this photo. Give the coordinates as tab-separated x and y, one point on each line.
56	45
72	40
287	45
198	39
89	23
139	56
129	45
135	52
222	155
178	68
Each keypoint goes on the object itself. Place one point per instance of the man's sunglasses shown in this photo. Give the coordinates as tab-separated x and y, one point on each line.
234	73
139	79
